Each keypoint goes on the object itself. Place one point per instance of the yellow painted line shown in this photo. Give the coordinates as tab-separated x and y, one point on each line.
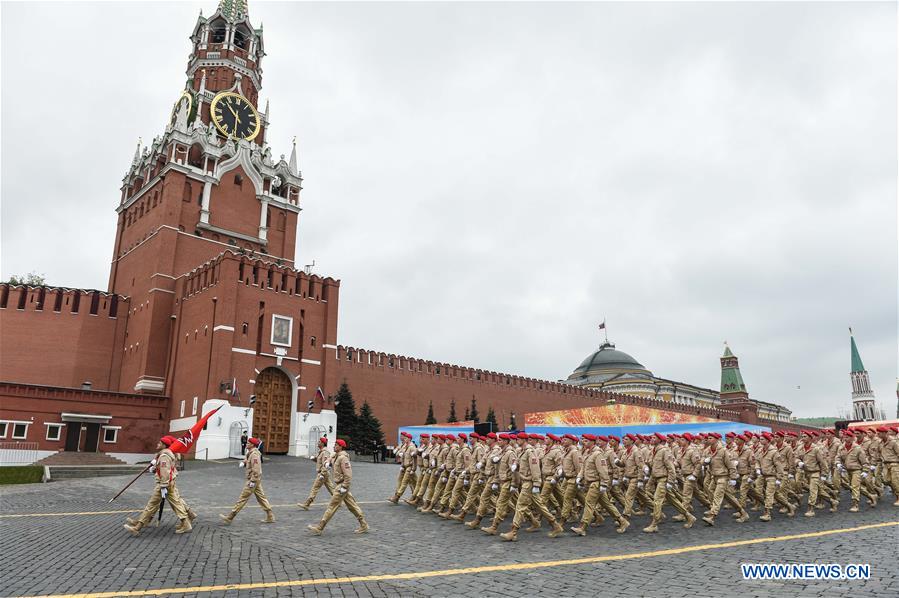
138	510
469	570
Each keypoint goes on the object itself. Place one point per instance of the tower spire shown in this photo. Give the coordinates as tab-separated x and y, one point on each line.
732	385
233	10
862	393
293	158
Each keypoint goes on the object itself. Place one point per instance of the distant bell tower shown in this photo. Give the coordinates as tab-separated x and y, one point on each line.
862	394
732	385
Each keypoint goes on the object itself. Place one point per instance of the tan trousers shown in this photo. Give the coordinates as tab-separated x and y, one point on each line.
245	495
502	502
659	497
856	487
487	500
339	499
173	498
691	488
773	493
459	493
408	481
635	492
891	477
551	494
474	492
720	492
595	499
320	480
569	497
529	502
422	484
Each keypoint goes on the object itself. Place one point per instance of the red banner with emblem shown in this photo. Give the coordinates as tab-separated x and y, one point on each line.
183	444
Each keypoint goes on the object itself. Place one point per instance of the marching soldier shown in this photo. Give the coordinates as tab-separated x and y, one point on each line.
462	473
475	478
571	466
529	496
343	476
595	475
423	464
435	485
551	470
663	473
852	459
690	467
722	466
253	463
889	452
502	483
163	490
811	460
770	469
488	477
632	472
406	454
448	479
322	474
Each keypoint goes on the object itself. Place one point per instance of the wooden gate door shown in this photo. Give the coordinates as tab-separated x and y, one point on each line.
271	412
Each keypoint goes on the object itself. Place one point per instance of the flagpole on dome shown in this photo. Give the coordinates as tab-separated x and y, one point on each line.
602	327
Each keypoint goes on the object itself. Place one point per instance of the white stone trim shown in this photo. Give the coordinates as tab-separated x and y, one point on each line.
160	290
311	361
301	387
329	346
289	331
144	383
86	418
279	357
223	327
59	426
246	351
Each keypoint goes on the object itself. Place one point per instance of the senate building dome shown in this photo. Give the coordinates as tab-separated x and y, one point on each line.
606	364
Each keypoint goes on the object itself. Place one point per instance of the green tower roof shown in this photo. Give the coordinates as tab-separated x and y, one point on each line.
731	379
857	365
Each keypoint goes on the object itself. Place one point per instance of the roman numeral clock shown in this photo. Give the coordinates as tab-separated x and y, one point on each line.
234	116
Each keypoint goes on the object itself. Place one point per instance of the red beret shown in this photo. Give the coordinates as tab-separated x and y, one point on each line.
687	436
780	433
631	436
449	437
660	436
536	436
767	435
425	435
341	443
883	429
253	441
406	434
859	431
167	440
730	435
463	436
570	437
717	435
503	436
323	440
895	428
589	436
601	437
522	435
491	435
793	434
615	438
553	437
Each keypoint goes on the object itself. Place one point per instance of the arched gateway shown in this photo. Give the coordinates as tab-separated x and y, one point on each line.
271	412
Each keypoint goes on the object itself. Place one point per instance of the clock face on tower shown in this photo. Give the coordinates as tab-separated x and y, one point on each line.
234	116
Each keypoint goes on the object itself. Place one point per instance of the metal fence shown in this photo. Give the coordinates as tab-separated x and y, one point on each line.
18	453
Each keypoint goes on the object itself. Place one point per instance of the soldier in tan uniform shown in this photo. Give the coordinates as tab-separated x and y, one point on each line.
406	453
165	473
771	470
343	476
253	487
852	459
632	475
460	475
889	453
529	497
473	484
322	474
423	464
664	475
571	467
440	476
551	471
502	483
488	480
690	460
595	476
450	475
722	466
812	461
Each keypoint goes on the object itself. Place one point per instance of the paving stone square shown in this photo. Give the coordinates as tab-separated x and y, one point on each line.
63	538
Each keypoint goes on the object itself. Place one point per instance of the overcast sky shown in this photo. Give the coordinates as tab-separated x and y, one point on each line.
489	181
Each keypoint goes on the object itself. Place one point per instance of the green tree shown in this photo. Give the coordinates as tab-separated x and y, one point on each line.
467	417
473	411
430	419
347	420
491	417
452	414
32	279
369	435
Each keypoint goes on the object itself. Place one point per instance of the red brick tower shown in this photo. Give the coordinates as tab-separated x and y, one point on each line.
205	247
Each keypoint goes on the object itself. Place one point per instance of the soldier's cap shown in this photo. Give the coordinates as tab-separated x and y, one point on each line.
659	435
405	434
730	435
780	433
631	436
602	438
589	437
503	436
491	435
883	429
253	441
748	436
687	436
553	437
167	440
570	437
767	435
463	436
474	435
449	437
614	438
848	434
859	431
522	435
341	443
673	436
323	440
536	436
439	436
739	437
895	429
793	434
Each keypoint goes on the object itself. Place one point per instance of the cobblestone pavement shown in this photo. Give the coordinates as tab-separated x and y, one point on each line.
90	552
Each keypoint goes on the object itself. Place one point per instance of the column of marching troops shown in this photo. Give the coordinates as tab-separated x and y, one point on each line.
333	472
583	480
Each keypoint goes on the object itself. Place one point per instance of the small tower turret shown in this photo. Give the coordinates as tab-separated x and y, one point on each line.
862	394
